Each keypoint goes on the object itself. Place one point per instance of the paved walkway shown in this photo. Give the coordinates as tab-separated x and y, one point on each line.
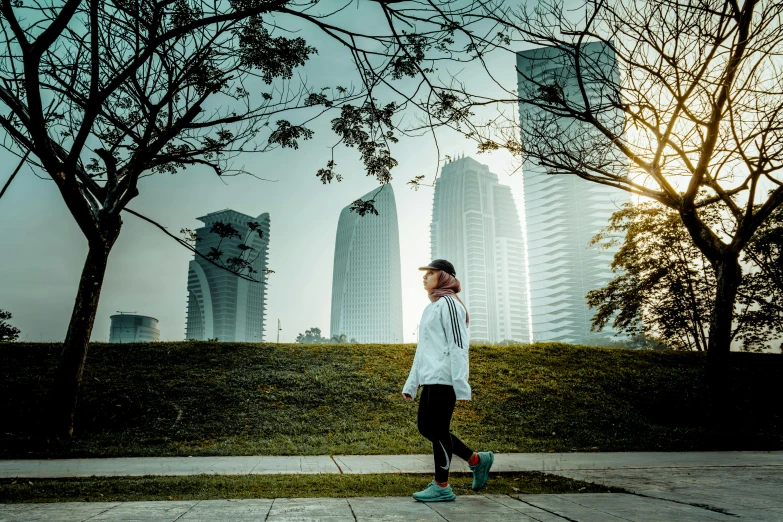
364	464
663	487
589	507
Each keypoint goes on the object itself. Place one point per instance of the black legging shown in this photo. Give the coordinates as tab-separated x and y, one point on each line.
435	409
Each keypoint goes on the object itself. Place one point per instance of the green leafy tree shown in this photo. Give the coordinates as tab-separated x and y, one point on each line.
8	333
96	95
311	336
665	289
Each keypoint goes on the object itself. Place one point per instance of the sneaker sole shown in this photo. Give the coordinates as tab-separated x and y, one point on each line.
444	499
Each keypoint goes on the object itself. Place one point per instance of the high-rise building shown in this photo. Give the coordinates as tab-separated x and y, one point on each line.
366	282
475	225
220	304
563	212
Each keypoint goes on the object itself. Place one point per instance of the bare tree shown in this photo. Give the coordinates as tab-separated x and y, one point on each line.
683	104
100	93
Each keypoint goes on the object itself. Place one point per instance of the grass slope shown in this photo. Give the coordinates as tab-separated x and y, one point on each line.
265	399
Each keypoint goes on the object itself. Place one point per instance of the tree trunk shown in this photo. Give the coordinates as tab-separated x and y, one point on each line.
728	275
68	376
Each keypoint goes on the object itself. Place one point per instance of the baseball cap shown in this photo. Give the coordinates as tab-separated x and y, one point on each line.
440	264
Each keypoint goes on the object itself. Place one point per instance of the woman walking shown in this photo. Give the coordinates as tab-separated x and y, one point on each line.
440	368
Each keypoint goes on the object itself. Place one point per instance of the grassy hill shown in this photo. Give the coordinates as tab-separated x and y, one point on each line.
199	398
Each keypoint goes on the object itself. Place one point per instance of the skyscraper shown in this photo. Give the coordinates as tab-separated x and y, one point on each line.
563	212
475	225
366	282
220	304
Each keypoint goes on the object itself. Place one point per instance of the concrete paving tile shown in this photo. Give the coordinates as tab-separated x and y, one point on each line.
361	465
566	508
471	508
509	462
477	504
633	507
524	509
273	465
400	517
152	511
221	517
320	518
760	515
365	464
310	507
467	516
224	510
219	465
431	516
53	517
56	512
391	509
763	517
618	460
317	464
24	517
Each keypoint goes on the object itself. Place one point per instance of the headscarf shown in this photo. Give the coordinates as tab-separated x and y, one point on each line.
448	285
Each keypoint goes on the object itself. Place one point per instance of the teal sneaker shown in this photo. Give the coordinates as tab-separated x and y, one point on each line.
481	470
435	493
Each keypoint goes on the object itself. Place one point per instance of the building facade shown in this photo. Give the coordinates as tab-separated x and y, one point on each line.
563	212
220	304
366	280
131	328
475	225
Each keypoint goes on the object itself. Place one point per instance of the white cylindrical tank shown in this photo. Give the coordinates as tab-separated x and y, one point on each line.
131	328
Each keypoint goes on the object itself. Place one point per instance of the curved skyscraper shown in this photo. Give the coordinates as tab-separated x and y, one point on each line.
563	212
220	304
475	225
366	282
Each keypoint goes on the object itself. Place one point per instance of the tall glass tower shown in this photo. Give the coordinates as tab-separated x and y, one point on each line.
475	225
366	282
220	304
563	212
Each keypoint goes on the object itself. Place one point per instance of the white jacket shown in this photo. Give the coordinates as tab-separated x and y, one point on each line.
442	353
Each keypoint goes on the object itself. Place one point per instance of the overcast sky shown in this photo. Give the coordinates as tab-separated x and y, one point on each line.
43	250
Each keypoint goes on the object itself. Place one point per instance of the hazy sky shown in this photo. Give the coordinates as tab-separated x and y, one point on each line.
43	250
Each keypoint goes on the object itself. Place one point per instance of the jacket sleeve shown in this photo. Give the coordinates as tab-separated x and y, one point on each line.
412	384
452	316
